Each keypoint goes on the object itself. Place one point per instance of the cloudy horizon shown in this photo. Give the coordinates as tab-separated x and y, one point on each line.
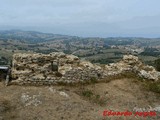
104	18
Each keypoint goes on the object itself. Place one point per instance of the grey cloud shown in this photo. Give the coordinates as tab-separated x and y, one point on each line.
82	17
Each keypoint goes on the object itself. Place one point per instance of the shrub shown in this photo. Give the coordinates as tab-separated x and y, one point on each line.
87	93
157	64
94	98
93	80
100	100
155	87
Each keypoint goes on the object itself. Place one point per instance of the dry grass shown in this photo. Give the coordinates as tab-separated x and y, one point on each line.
152	86
85	101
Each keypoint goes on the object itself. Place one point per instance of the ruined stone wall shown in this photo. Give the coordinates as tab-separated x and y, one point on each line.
58	68
54	68
131	63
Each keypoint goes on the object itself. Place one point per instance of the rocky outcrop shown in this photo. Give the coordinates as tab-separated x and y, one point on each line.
57	67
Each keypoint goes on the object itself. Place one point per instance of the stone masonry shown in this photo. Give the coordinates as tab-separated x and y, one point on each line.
58	68
41	69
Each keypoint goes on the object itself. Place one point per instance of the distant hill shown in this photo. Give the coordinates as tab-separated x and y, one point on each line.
94	49
38	37
30	36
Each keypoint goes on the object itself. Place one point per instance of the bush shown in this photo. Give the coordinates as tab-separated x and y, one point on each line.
87	93
94	98
94	80
157	64
155	87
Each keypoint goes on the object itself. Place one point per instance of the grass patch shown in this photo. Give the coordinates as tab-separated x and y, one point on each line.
4	106
100	100
93	98
127	74
155	87
152	86
87	93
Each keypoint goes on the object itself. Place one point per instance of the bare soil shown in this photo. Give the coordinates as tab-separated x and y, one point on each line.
79	102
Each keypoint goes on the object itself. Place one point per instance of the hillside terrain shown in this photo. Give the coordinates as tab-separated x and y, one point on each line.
80	102
78	89
96	50
48	82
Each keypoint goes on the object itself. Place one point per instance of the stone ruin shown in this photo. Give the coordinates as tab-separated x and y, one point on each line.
54	68
58	68
131	63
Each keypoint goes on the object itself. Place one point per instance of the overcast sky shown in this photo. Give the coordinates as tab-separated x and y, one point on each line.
100	18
